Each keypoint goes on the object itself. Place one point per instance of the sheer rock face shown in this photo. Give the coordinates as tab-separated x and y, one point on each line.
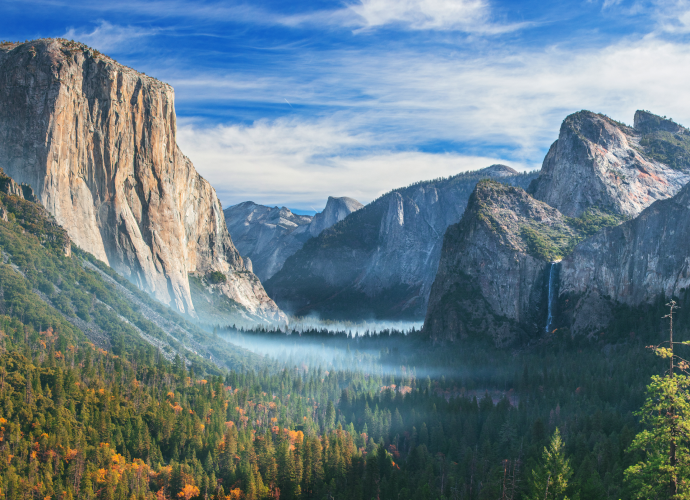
634	263
336	210
270	235
96	141
598	162
490	280
380	261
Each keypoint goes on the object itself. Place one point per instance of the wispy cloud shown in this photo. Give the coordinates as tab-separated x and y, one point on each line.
506	102
672	16
472	16
109	37
300	163
514	98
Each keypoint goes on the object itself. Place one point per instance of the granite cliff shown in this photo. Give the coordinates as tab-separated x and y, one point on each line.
268	236
44	283
500	271
598	162
380	261
634	264
493	265
96	142
336	210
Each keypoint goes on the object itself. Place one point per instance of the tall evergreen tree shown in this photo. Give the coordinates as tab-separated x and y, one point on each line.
549	480
665	470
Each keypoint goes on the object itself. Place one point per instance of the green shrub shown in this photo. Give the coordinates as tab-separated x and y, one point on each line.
216	277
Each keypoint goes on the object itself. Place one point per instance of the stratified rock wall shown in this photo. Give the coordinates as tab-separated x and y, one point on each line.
598	162
96	141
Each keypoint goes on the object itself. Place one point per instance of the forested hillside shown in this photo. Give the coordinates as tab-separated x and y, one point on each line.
106	394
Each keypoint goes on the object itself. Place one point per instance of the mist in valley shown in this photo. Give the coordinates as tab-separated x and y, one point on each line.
395	353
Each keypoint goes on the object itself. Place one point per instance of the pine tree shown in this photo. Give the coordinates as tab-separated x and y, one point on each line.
665	471
549	480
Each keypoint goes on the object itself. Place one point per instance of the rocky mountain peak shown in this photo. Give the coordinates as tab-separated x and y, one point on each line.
336	210
600	163
489	263
498	170
496	264
270	235
519	221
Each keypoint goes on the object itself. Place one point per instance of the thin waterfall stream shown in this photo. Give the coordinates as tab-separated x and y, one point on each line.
552	287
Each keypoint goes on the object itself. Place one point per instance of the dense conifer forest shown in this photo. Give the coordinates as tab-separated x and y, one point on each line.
310	414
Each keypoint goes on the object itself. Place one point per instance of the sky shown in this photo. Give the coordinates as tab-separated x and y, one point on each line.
288	102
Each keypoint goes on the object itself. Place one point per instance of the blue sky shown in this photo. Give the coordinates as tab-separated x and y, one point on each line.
288	102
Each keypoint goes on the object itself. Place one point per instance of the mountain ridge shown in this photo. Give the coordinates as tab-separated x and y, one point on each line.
609	254
380	261
599	162
268	236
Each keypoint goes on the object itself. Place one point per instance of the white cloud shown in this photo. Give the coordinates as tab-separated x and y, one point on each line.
423	14
513	99
299	164
472	16
107	37
508	102
611	3
672	16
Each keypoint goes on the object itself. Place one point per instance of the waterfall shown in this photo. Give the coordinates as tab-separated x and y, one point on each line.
549	315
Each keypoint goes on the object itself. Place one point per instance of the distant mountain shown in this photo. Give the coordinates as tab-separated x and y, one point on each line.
96	142
500	271
336	210
268	236
380	261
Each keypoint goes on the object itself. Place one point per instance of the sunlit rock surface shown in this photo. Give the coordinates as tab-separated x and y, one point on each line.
96	141
598	162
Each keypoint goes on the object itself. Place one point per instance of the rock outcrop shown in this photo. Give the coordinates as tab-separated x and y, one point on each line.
12	188
96	141
598	174
380	261
18	203
633	264
494	269
600	163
